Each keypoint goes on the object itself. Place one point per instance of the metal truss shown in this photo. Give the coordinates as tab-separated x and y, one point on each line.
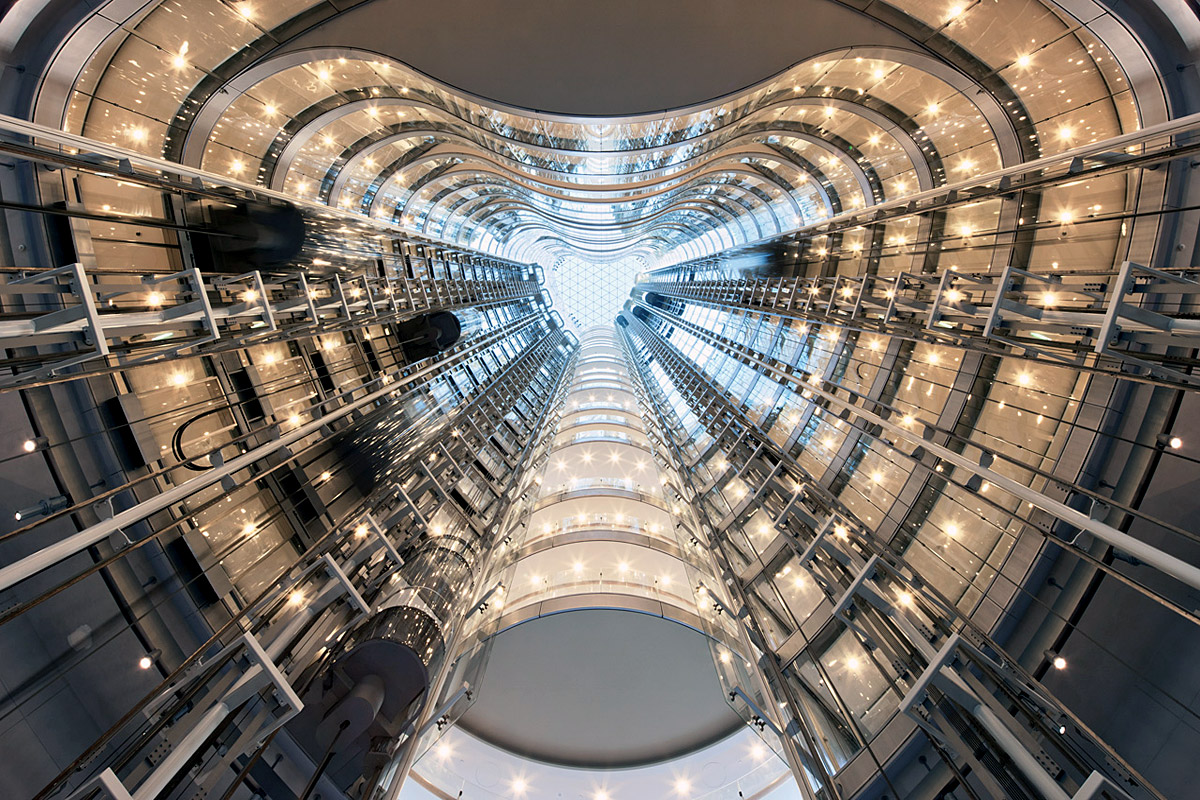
950	679
877	418
1137	322
80	319
215	715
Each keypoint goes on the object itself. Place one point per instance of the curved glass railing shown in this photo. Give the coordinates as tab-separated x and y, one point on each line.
738	767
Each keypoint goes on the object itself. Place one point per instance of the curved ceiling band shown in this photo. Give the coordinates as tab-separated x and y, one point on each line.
310	121
750	154
643	218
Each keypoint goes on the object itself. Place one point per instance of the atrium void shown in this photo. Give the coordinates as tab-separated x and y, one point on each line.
683	400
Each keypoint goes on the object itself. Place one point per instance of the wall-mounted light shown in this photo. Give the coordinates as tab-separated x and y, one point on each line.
1056	660
34	444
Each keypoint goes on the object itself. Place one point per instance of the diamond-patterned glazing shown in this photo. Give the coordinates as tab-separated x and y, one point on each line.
589	292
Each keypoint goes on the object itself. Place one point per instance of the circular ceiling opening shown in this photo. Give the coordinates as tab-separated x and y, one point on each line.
600	688
620	57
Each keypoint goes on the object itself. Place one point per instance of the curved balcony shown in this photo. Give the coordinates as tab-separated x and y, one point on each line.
599	419
605	525
594	384
599	533
600	487
748	767
588	587
598	405
600	435
603	436
587	372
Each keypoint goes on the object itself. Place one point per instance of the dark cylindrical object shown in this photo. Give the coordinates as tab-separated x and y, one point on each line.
383	667
426	335
254	235
355	712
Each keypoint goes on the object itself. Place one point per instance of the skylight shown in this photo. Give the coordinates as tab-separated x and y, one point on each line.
589	292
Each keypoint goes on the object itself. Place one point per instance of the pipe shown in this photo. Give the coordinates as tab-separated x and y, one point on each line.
321	767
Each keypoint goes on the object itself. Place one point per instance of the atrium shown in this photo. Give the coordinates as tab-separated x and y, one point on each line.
672	400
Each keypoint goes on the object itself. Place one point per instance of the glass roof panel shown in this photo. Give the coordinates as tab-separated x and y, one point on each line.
590	291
